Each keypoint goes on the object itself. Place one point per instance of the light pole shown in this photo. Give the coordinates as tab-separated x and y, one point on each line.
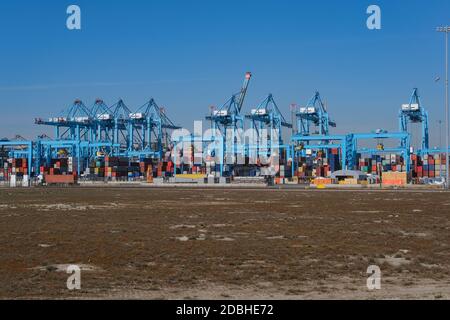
440	147
446	30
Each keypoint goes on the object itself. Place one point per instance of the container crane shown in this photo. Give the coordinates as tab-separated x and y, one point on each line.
73	124
150	124
167	125
227	120
267	119
121	130
314	114
103	128
414	112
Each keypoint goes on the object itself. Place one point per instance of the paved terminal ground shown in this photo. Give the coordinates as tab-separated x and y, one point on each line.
223	244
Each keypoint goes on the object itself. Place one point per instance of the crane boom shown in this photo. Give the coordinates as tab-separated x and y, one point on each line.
243	92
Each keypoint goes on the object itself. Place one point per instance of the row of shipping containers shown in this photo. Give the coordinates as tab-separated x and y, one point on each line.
123	168
384	163
321	164
60	166
429	166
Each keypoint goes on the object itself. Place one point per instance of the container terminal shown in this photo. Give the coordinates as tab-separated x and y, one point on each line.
116	143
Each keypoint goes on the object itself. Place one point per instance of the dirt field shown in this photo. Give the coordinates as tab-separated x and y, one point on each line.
224	244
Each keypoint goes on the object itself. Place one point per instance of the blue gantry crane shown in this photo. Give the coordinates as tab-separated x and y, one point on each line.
150	124
121	115
403	148
267	123
228	120
103	119
314	114
414	112
72	124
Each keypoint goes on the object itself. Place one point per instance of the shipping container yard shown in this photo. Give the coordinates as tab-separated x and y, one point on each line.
113	144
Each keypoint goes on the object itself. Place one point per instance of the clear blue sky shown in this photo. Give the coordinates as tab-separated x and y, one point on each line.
191	54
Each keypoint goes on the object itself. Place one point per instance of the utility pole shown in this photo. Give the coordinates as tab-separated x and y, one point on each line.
446	30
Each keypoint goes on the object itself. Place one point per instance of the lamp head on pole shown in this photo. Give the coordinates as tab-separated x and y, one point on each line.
443	29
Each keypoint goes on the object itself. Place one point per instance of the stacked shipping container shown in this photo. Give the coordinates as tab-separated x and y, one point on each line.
126	169
384	163
321	165
11	166
431	166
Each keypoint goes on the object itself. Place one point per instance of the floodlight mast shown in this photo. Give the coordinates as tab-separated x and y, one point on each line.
446	30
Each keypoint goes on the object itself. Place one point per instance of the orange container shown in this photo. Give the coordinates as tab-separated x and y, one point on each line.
59	179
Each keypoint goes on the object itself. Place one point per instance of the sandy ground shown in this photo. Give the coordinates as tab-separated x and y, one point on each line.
223	244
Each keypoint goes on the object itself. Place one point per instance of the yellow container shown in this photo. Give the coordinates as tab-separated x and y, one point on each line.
191	176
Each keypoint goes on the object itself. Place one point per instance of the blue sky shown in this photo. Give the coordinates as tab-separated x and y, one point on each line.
192	54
